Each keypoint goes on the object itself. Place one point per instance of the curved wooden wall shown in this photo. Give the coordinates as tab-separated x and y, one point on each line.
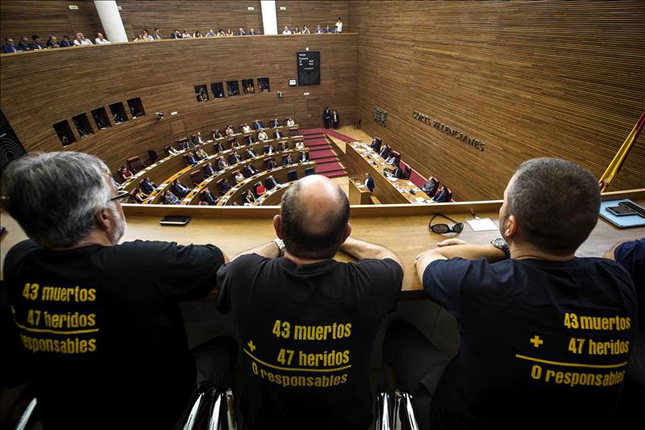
530	79
39	89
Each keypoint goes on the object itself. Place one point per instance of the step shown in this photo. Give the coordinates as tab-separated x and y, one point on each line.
325	160
335	174
328	167
317	145
321	153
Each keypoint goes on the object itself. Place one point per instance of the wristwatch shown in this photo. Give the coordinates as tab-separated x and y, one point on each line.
500	243
280	244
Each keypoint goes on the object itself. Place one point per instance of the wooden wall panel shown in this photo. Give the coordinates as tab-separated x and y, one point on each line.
163	74
169	15
44	18
530	79
312	13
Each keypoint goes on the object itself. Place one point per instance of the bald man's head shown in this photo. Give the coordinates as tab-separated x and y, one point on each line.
314	214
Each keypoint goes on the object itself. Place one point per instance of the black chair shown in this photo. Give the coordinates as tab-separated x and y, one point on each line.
152	156
292	176
310	171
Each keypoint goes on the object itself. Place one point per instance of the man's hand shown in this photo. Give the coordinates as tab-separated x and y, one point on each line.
449	242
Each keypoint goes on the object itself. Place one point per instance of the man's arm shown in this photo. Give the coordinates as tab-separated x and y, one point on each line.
360	250
456	248
268	250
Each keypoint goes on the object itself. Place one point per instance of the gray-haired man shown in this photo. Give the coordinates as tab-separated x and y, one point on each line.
99	322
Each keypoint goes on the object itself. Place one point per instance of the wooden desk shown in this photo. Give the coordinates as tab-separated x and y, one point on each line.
402	228
359	159
274	197
359	194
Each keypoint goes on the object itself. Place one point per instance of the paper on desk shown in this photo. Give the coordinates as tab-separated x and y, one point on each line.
482	224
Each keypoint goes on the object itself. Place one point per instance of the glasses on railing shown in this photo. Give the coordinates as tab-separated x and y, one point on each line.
443	228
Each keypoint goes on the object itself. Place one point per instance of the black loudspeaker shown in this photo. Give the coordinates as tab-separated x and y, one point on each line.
10	146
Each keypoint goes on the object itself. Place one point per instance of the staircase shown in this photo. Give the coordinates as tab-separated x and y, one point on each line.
320	151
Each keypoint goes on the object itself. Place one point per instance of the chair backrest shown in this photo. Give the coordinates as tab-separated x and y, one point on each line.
449	198
267	161
265	149
152	156
219	185
292	175
197	177
293	132
407	170
185	157
396	155
135	164
310	171
166	149
181	141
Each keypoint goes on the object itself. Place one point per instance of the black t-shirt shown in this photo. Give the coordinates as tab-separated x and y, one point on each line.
631	255
542	343
102	330
307	333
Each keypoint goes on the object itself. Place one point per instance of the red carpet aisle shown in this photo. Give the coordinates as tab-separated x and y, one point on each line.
321	152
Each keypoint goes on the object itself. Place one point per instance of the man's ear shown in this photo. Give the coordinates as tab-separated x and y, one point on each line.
103	220
277	226
348	231
511	229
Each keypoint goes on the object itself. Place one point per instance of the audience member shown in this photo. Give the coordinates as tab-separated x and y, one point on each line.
175	35
286	30
271	164
179	188
290	122
271	183
197	34
259	189
225	187
262	135
280	286
157	34
197	138
339	25
385	151
249	198
100	40
221	163
239	177
66	42
522	303
253	32
217	134
442	196
300	145
303	157
186	35
430	187
234	158
327	30
230	131
147	185
221	33
35	43
277	134
209	170
319	30
8	47
169	198
268	150
81	40
249	171
229	33
52	42
246	128
172	150
376	144
305	30
250	153
369	182
190	159
139	196
207	197
287	160
258	125
201	154
283	146
211	33
121	300
124	173
297	30
241	32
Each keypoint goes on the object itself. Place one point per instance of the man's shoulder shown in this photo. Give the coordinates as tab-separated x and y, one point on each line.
18	252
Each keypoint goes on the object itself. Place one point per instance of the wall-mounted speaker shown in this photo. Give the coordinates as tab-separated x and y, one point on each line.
10	146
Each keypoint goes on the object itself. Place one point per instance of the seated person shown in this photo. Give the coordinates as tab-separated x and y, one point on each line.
201	154
229	130
328	30
262	135
190	159
24	44
268	150
291	122
398	172
186	35
283	146
300	145
229	33
147	185
258	125
297	30
209	170
287	160
303	157
275	122
305	30
235	144
241	32
124	173
376	144
248	197
139	196
430	187
100	40
246	128
250	153
197	34
271	164
318	30
250	171
392	160
239	177
208	197
210	33
253	32
286	30
221	163
179	188
65	42
217	147
225	187
259	189
52	42
169	198
186	144
442	196
234	158
217	134
277	134
385	151
197	138
81	40
172	151
271	183
118	119
248	140
221	32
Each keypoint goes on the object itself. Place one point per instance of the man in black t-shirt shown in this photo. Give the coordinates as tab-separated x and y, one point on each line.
306	321
545	336
99	322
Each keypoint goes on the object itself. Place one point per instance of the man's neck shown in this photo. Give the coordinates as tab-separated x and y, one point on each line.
302	261
526	252
94	238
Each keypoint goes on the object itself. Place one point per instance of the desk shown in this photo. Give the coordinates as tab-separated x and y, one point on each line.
359	159
359	194
402	228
